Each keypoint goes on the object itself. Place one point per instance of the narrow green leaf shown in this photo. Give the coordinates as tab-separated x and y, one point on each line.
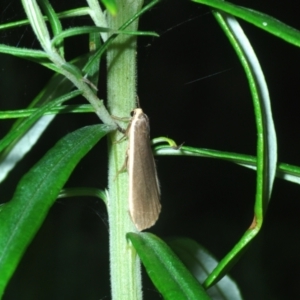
166	271
201	263
78	31
63	109
37	23
95	29
284	171
258	19
24	126
266	161
266	141
102	49
36	56
111	6
76	12
73	69
83	191
267	144
54	22
51	16
94	45
21	217
24	53
22	136
98	16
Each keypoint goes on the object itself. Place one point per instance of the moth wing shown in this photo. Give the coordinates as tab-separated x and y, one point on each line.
144	196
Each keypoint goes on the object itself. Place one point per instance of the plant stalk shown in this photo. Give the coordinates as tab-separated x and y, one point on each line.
121	94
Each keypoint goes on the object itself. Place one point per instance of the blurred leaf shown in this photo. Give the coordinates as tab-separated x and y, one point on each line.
111	6
201	263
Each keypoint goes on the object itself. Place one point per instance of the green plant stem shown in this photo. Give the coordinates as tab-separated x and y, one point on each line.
121	94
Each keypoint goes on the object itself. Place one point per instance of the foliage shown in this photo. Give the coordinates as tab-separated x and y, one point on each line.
179	268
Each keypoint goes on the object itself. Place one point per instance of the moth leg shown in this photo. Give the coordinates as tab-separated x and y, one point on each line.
125	119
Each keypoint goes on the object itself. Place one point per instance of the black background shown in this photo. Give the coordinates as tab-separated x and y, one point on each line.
207	200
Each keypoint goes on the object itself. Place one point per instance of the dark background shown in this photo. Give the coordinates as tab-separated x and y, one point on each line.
207	200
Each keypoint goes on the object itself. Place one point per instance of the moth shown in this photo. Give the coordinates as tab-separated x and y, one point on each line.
144	191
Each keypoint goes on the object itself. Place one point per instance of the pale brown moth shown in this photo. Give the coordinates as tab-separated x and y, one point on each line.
144	192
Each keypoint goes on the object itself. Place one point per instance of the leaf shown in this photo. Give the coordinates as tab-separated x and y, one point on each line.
284	171
103	48
37	23
80	30
76	12
25	133
266	142
24	53
111	6
54	22
21	217
166	271
201	263
261	20
94	29
83	191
